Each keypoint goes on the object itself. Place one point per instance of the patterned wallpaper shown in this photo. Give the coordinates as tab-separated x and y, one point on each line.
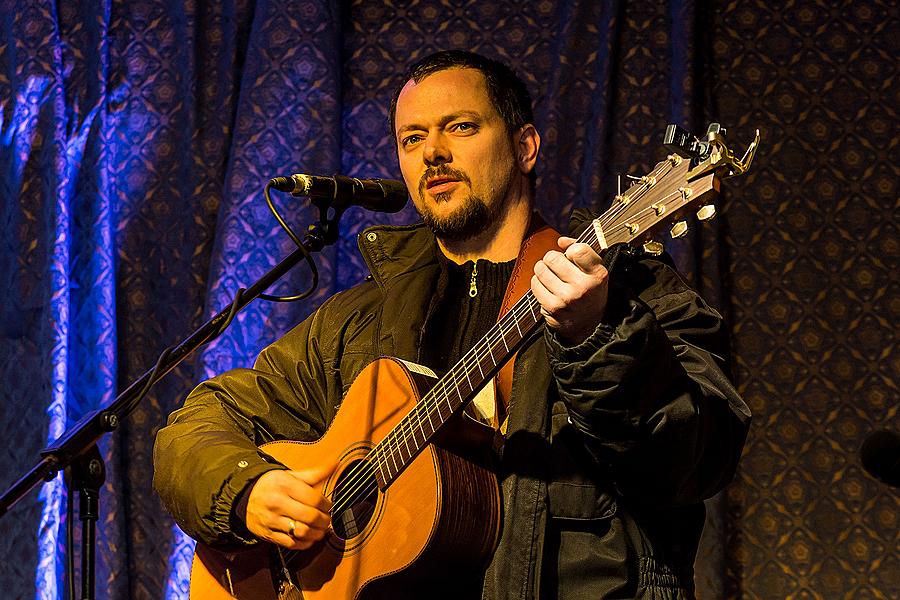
814	274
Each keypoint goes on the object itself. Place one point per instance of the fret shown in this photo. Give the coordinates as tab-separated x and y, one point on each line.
416	442
503	339
382	476
488	366
449	406
430	422
408	451
394	460
466	372
417	428
459	393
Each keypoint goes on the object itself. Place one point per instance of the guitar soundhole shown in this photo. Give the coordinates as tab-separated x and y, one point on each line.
354	499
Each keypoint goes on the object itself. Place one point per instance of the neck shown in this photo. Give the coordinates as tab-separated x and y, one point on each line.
499	243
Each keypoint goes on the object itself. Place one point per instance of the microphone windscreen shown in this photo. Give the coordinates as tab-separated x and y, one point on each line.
395	195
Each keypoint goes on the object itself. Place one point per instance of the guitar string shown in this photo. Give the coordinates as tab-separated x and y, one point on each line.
531	304
405	431
393	446
398	435
426	407
643	186
429	403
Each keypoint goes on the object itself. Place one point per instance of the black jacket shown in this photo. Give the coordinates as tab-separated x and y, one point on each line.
611	445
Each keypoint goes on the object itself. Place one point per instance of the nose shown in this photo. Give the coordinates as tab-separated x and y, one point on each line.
436	151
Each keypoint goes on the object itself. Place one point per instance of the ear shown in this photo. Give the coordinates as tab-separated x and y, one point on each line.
527	145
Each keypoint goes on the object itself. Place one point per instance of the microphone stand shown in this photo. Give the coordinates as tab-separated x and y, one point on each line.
76	449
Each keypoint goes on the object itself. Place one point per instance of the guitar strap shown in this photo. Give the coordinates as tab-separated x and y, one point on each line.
541	238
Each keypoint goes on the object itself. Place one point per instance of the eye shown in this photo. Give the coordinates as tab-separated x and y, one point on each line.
410	139
465	127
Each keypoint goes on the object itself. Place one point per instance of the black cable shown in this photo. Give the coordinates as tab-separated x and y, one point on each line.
232	312
303	250
236	302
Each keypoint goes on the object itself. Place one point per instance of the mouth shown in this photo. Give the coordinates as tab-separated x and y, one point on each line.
437	185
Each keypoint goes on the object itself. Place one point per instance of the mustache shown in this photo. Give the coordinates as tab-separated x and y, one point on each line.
440	171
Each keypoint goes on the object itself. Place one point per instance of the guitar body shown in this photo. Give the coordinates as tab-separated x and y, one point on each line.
437	520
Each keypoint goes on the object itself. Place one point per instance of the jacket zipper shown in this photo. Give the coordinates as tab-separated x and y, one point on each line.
473	287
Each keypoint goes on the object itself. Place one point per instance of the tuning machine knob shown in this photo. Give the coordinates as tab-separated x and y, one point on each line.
653	247
678	229
706	212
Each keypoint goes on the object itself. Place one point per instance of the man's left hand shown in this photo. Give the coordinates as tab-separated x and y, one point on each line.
572	287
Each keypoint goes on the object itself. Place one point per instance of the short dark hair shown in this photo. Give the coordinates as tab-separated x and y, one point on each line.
507	92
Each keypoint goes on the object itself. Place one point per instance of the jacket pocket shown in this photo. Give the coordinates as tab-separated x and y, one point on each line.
579	502
575	492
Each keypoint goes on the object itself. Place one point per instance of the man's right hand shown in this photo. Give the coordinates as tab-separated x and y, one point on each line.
284	508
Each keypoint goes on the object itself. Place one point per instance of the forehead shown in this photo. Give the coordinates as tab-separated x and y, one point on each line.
443	93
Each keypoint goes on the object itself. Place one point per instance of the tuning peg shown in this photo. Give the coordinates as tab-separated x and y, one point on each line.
653	247
678	229
706	212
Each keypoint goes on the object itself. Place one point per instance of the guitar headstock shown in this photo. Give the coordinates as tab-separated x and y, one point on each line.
687	179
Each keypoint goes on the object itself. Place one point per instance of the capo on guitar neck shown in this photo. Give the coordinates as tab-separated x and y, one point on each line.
681	142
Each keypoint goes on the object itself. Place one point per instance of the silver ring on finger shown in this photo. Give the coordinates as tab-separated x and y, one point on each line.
290	530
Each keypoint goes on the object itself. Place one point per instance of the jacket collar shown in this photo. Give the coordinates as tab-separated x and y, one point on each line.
391	251
394	251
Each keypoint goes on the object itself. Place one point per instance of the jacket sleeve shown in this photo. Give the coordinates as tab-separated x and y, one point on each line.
648	393
207	453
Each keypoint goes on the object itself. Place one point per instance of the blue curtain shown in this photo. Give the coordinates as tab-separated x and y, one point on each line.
135	139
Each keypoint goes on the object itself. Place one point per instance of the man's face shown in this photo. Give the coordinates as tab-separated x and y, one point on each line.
456	154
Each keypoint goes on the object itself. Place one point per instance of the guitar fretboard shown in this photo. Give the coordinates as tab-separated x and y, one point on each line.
651	199
460	384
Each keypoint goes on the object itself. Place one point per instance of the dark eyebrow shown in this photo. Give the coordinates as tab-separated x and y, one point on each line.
471	114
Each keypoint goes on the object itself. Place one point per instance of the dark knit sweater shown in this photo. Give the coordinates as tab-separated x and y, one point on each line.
466	311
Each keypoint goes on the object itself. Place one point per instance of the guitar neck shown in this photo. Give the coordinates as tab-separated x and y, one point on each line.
653	198
455	389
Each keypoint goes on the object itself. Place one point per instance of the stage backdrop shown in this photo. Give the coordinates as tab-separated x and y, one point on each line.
136	137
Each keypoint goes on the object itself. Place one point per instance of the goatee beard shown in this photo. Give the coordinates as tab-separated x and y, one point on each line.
472	218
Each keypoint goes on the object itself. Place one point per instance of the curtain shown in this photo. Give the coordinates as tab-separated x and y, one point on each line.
136	138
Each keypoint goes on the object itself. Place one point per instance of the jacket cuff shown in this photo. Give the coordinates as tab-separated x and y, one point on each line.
601	336
247	469
620	308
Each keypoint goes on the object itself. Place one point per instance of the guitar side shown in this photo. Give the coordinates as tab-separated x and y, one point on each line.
439	516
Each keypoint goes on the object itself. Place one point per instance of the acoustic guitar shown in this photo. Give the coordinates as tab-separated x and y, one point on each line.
414	499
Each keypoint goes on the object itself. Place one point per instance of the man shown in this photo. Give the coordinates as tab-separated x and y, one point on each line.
620	420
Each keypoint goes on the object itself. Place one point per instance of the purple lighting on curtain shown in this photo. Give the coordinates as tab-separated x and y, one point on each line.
53	493
178	582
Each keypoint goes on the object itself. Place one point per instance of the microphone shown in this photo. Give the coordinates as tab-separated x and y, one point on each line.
880	456
379	195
